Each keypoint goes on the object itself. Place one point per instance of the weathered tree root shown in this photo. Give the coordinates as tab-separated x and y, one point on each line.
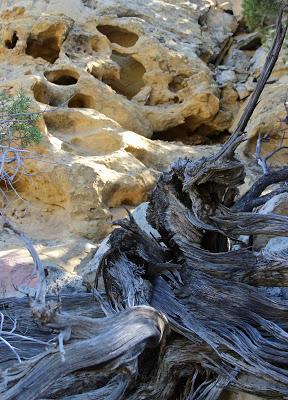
104	342
205	299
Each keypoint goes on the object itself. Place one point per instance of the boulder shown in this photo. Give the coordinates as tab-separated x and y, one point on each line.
268	120
277	205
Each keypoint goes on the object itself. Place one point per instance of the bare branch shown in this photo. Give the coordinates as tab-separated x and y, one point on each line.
246	202
39	268
262	161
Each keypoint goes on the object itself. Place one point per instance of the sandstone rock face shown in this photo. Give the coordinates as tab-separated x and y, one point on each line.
78	192
269	122
269	116
234	6
277	205
108	77
124	67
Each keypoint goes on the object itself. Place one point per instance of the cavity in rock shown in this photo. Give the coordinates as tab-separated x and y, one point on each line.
81	101
45	96
131	74
10	44
62	77
45	44
121	36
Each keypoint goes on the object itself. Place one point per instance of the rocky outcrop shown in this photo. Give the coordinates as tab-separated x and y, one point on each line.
108	77
277	205
78	189
269	118
133	69
269	121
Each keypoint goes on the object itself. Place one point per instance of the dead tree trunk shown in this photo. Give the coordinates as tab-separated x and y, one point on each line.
181	317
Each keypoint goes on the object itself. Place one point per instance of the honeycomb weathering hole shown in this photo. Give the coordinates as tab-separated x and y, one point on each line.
81	101
177	83
117	35
44	95
45	44
131	75
10	44
62	77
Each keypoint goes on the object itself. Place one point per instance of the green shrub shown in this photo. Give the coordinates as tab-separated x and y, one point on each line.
260	14
18	124
18	128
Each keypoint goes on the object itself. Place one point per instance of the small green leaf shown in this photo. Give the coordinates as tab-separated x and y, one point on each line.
17	121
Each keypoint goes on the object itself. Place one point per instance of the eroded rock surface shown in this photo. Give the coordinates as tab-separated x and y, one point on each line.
277	205
270	122
109	76
137	69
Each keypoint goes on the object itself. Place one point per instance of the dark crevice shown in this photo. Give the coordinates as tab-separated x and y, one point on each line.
181	133
184	134
10	44
63	77
177	83
252	45
65	80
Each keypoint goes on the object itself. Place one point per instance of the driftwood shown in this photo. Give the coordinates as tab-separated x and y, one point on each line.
181	316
